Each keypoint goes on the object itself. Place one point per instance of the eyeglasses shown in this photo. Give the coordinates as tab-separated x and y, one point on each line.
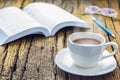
109	12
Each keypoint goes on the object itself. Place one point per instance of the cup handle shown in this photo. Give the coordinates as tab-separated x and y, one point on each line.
115	46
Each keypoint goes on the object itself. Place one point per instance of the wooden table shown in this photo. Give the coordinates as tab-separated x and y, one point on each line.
32	57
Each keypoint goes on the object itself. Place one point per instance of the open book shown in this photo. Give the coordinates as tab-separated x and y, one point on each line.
35	18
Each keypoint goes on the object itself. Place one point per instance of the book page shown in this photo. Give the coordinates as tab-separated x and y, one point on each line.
15	21
50	15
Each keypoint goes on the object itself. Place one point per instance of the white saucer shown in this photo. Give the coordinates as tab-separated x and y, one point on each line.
64	62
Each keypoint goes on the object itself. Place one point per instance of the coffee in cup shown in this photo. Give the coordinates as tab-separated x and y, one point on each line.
86	48
87	41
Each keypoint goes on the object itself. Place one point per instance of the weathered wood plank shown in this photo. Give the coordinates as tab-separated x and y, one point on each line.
2	3
10	59
114	27
101	4
26	2
10	62
41	64
16	3
77	12
63	40
32	57
40	0
109	24
3	49
22	58
80	12
60	3
50	1
70	5
60	40
115	5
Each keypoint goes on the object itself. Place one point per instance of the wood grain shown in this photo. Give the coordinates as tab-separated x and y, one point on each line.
32	57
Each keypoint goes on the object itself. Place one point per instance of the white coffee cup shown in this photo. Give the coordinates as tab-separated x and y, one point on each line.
87	55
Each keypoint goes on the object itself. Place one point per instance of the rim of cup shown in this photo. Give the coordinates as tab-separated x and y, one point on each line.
99	36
